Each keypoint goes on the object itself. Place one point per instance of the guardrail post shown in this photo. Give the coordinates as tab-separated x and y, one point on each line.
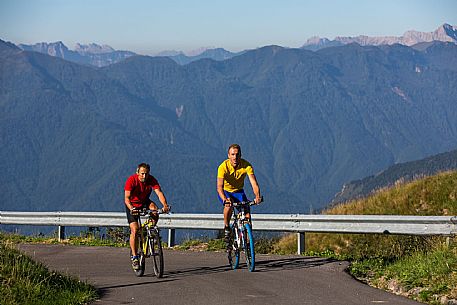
300	242
171	237
61	233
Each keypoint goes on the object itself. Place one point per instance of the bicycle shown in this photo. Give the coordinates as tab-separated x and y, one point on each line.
241	238
149	244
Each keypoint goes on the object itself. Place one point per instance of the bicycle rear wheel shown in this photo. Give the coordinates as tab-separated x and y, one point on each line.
249	247
156	253
233	253
141	259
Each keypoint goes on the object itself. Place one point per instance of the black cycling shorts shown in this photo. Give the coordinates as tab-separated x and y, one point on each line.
130	217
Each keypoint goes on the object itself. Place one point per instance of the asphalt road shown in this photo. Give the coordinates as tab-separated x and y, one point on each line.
196	278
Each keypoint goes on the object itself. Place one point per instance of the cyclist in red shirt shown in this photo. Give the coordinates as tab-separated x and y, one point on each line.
137	190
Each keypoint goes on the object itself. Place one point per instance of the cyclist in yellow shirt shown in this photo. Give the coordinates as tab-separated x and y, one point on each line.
230	183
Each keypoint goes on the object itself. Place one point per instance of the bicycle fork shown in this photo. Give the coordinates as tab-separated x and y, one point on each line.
238	238
153	237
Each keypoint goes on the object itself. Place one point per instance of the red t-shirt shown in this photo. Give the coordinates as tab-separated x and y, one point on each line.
140	191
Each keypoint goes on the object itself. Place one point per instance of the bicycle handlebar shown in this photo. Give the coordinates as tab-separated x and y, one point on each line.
249	202
144	212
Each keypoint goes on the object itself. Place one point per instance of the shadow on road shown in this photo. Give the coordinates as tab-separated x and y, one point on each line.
291	263
157	281
261	266
196	271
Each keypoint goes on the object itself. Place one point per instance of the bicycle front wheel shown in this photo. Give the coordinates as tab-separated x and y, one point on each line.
249	247
156	253
233	253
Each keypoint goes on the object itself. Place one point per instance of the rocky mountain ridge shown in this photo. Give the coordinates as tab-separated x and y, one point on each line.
104	55
444	33
92	54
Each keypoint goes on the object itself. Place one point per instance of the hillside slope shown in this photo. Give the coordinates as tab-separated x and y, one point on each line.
434	195
307	121
402	172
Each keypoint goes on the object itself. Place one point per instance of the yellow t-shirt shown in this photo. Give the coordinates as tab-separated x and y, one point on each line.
234	179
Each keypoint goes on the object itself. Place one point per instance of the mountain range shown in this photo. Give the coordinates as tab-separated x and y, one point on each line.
91	54
444	33
101	56
308	121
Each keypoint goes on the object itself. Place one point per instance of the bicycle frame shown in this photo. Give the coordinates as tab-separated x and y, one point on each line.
149	244
145	228
242	238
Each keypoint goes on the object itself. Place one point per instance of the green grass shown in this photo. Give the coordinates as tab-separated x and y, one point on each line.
422	268
24	281
115	237
425	275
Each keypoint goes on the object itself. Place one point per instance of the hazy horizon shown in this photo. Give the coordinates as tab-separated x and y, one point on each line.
149	27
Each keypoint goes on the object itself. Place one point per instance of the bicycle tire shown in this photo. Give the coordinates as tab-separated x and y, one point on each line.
233	253
249	247
156	252
140	271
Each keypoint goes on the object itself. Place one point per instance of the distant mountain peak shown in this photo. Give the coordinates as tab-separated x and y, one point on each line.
217	54
317	40
93	48
445	33
7	47
198	51
57	48
91	54
169	53
7	44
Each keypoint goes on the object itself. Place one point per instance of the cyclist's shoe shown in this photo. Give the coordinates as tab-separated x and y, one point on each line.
135	262
227	234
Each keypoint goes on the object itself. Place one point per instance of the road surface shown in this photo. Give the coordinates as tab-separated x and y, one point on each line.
198	278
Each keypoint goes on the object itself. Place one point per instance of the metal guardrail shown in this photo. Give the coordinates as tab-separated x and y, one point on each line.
374	224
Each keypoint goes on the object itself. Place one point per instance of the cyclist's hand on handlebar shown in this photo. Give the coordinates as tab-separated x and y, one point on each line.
166	208
258	200
228	201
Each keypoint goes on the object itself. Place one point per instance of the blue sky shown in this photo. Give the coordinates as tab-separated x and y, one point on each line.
148	27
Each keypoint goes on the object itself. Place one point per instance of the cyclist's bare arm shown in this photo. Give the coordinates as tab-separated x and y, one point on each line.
163	199
127	200
255	188
152	205
220	189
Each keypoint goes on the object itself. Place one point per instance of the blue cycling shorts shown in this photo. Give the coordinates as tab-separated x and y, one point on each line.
237	196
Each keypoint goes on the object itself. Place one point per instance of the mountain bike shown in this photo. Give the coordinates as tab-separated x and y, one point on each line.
241	238
149	244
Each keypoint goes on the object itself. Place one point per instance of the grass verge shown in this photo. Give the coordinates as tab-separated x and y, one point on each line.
24	281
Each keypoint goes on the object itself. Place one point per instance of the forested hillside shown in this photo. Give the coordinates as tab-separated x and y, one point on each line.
308	121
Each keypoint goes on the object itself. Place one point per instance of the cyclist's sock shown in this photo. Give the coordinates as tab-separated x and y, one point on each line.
227	235
135	262
226	231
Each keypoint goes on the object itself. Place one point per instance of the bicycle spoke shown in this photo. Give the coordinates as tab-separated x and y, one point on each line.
157	253
249	248
233	253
